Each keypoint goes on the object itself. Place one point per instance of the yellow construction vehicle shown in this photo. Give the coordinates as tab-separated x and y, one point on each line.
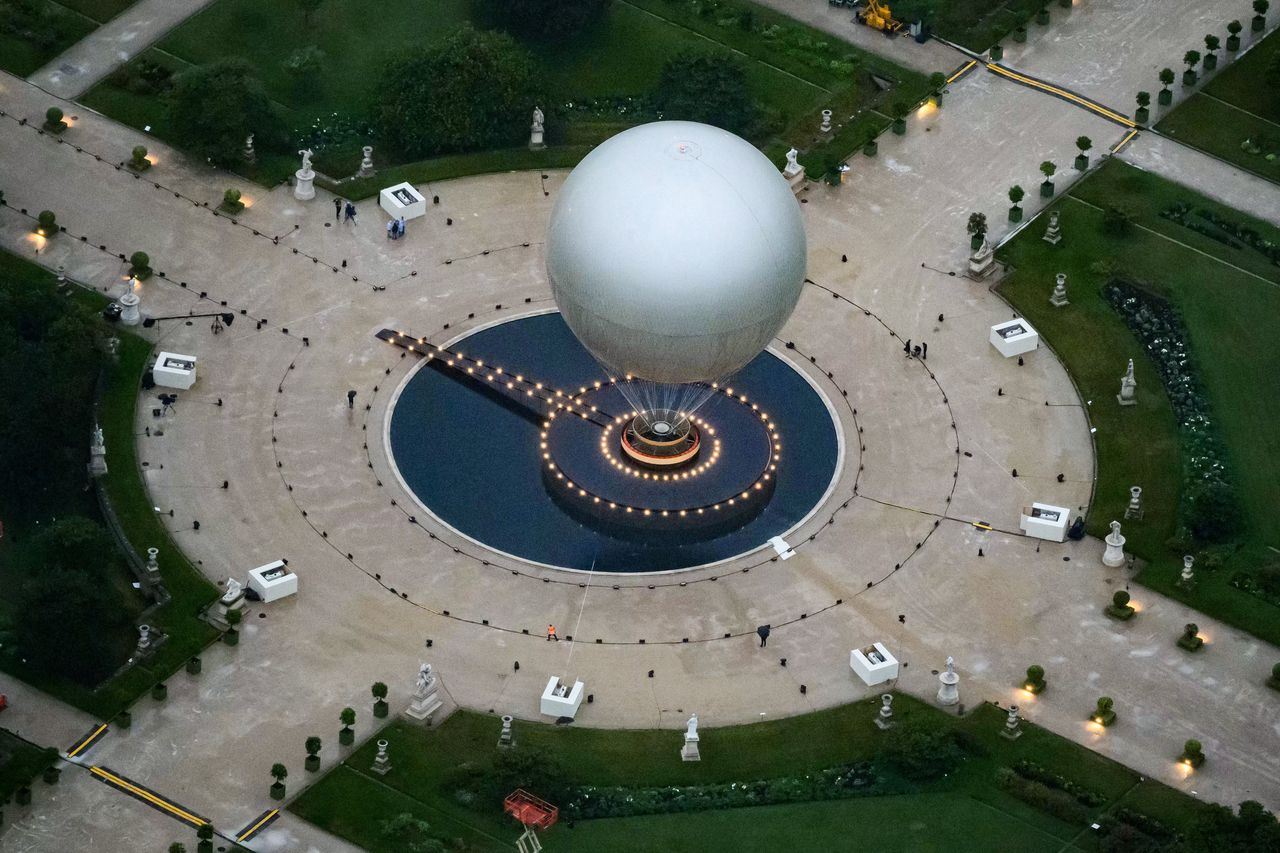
878	16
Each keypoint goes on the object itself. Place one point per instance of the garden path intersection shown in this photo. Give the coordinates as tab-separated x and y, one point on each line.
928	449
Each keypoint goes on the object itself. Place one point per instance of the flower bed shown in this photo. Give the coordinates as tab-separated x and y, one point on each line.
1035	773
1223	230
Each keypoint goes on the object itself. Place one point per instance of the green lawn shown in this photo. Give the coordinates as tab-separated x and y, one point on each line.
976	26
1237	105
1232	318
99	10
36	31
964	808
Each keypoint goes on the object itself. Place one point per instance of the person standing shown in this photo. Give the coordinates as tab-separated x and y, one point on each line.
391	229
351	399
925	350
337	209
350	213
400	227
907	347
551	634
763	632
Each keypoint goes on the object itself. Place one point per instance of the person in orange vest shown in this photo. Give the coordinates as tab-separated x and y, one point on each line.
551	633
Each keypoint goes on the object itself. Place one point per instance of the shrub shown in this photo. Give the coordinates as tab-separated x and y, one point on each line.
231	201
1190	639
138	159
313	745
710	88
1035	682
1060	804
977	229
1105	712
159	691
1214	515
50	775
140	265
53	120
346	735
406	832
1117	221
379	691
47	223
1120	598
920	753
213	108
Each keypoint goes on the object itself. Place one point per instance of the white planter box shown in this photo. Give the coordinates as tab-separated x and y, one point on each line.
402	200
1044	521
1014	337
558	700
873	664
273	581
174	370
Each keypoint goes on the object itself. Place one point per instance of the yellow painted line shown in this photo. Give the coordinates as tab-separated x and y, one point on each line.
960	73
155	800
266	818
1123	142
85	743
1062	93
982	525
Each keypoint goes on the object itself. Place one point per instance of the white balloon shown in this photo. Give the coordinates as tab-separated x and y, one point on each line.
676	252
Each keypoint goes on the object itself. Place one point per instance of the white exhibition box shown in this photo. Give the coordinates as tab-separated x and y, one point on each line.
402	200
1045	522
1014	337
174	370
273	581
559	700
874	665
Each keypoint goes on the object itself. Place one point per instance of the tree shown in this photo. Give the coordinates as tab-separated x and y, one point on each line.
75	544
1016	195
278	772
346	735
474	90
1167	77
977	228
302	65
1117	221
204	832
1144	102
309	8
1047	168
177	847
1211	43
1084	143
1191	59
313	745
707	87
74	608
409	833
545	20
1143	99
1233	40
379	691
213	108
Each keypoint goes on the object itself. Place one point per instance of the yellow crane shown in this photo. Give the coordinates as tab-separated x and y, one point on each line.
878	16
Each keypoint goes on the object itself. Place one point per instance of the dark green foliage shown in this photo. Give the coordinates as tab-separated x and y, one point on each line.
408	833
75	544
213	108
1058	803
1213	512
48	222
707	87
1252	829
545	20
1120	598
1117	221
531	769
471	91
920	753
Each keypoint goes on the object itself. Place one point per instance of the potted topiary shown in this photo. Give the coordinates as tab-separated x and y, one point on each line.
124	719
347	735
1104	714
1020	35
232	636
1259	22
872	147
278	772
23	796
1035	682
1143	115
1233	39
231	202
380	706
50	775
1119	608
900	110
977	230
1191	639
1211	43
937	82
997	53
1274	681
46	223
1165	97
1047	169
1191	59
140	266
1042	17
53	120
159	691
204	833
138	159
1192	754
1016	194
313	745
1084	143
194	665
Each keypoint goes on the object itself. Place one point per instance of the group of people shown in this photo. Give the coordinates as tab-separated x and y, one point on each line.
344	212
395	228
920	350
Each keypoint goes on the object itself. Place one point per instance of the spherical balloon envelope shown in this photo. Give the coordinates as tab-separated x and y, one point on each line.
676	252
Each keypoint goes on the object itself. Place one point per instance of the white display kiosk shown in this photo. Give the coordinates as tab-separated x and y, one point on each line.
402	200
560	700
273	581
873	664
1044	521
1014	337
174	370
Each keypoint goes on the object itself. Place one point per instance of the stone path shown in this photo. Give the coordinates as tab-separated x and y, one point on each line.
79	67
287	445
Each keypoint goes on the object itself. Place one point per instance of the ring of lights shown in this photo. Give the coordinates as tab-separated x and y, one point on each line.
661	438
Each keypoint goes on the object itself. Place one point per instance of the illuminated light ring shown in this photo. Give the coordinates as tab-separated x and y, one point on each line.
672	461
624	463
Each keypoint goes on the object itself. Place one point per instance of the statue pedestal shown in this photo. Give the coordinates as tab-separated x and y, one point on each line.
689	752
982	262
795	179
426	701
304	184
535	140
129	313
1126	401
949	692
1114	557
97	461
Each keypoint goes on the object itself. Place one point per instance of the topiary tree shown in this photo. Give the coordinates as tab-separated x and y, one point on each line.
1104	713
1016	195
1120	598
711	88
278	772
232	636
899	111
313	745
138	159
1047	168
1259	22
177	847
937	82
231	201
1191	59
46	223
379	691
1143	115
159	691
1035	679
53	120
1120	607
1084	143
1190	639
1274	681
1192	753
1166	80
204	832
140	265
213	108
1233	39
977	229
347	735
1211	43
471	91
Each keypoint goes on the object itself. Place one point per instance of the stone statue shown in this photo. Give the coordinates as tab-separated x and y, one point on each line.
234	589
306	159
792	166
692	731
536	129
538	119
1113	556
366	164
98	443
951	665
1128	385
424	677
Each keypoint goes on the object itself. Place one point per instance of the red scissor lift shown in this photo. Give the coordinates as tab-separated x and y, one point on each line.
529	810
